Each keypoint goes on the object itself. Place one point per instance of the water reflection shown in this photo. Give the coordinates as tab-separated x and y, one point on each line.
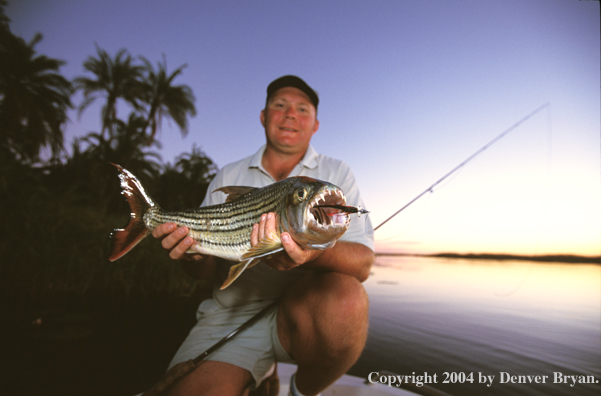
519	317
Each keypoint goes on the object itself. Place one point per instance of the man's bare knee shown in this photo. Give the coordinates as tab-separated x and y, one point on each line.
213	378
345	316
328	311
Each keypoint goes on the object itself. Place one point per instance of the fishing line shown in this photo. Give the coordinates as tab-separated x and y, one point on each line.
468	159
422	212
417	218
548	167
518	285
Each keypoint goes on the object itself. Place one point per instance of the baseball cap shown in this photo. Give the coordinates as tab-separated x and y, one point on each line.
295	82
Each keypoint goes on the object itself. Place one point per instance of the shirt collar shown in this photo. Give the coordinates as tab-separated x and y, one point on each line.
255	161
310	158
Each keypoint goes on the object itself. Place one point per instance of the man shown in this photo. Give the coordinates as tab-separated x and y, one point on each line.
321	321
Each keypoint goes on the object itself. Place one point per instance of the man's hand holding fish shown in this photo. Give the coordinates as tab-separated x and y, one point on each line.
292	256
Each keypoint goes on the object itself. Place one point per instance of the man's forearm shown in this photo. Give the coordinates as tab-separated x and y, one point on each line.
348	258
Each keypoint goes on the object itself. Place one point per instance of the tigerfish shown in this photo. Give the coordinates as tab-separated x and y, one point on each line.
311	210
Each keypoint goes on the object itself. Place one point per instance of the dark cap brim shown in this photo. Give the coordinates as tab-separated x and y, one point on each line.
295	82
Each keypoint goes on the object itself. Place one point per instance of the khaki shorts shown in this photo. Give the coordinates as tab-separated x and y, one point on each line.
256	349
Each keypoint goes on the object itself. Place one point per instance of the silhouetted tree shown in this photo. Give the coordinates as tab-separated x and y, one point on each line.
114	79
196	166
34	98
126	146
184	185
165	99
4	20
91	155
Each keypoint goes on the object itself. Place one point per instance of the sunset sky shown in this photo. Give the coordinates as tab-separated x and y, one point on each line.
408	90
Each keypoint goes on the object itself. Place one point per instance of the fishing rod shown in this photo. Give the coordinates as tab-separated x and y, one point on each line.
468	159
182	369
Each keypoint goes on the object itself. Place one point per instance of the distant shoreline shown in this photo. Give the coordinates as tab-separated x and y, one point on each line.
548	258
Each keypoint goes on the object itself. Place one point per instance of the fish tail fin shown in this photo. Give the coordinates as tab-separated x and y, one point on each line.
125	239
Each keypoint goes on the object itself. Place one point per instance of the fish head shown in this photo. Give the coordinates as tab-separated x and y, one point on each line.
310	226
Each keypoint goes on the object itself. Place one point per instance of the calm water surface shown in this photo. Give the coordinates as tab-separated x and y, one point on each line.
475	316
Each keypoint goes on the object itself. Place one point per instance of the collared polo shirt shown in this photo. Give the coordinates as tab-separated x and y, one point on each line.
262	282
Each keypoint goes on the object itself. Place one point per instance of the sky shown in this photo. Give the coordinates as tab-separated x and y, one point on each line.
408	90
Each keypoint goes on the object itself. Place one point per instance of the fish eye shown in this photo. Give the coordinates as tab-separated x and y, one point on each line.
302	194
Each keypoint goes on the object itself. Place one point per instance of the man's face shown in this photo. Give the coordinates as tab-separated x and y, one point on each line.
289	120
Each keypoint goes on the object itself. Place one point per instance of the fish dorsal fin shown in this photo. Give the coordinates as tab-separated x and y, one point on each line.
235	192
267	245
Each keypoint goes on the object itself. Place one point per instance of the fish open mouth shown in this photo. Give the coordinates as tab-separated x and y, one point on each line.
327	217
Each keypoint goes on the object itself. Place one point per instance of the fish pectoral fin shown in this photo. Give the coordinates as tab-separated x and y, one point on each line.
267	245
235	192
236	270
195	248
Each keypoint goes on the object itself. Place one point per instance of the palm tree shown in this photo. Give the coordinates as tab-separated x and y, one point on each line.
114	79
125	147
185	184
4	20
196	166
34	99
165	99
128	148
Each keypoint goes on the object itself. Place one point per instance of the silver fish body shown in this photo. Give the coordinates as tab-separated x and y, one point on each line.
305	207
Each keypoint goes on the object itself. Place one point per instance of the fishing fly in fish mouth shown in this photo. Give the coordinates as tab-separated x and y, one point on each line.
312	211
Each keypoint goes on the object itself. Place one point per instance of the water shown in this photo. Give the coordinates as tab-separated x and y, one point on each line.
505	318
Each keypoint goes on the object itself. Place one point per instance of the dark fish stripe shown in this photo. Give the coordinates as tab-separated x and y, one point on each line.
220	219
227	212
206	223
